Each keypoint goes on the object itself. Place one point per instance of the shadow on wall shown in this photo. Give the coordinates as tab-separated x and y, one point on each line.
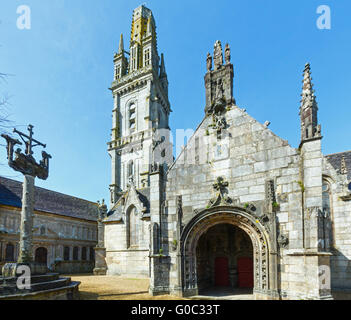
340	276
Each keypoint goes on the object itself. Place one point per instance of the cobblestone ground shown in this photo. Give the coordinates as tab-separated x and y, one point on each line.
115	288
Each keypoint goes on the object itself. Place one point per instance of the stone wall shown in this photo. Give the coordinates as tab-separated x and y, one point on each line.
51	231
340	213
124	260
73	267
249	157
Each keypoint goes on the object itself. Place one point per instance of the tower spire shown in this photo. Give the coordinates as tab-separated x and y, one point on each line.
308	108
162	67
121	45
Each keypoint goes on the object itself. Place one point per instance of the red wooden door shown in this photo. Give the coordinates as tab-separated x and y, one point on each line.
245	270
221	272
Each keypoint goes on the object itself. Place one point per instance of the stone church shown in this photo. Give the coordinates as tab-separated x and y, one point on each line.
238	208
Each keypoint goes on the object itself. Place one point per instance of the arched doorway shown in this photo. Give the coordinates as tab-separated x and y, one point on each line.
224	258
41	255
252	227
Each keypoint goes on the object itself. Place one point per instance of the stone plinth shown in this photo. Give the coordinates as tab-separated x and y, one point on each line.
11	269
100	262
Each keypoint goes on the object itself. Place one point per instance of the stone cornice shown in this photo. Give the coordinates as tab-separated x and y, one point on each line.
131	77
137	79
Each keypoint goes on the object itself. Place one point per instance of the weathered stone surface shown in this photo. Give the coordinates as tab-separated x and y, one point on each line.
269	190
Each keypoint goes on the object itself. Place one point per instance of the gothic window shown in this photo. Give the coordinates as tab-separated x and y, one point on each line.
132	116
327	225
66	253
326	195
10	253
75	253
147	57
41	255
134	58
133	227
84	253
117	72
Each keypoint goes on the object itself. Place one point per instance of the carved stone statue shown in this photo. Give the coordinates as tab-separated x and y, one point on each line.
227	53
220	122
209	62
219	90
218	55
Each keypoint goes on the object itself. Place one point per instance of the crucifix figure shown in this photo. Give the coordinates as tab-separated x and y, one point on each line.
221	199
27	165
220	186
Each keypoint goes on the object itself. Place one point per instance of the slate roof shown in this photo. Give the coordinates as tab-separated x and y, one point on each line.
48	201
116	213
335	161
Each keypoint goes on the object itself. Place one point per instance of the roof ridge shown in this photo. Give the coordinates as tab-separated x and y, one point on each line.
332	154
53	191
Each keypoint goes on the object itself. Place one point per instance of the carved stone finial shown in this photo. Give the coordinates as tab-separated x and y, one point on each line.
209	62
227	53
218	55
102	208
308	108
267	123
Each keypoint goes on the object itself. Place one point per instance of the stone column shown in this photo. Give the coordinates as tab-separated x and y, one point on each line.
100	250
314	281
26	234
160	261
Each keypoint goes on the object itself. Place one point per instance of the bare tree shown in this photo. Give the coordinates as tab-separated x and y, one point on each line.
4	103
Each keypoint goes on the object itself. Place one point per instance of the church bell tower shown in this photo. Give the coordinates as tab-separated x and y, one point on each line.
140	117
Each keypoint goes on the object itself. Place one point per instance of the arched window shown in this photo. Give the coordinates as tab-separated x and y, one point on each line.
75	253
66	253
41	255
147	57
133	227
10	253
134	58
84	253
326	195
327	223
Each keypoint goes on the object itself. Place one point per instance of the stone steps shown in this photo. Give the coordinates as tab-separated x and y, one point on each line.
40	284
34	279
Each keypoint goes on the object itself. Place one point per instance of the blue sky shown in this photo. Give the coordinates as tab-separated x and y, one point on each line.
62	67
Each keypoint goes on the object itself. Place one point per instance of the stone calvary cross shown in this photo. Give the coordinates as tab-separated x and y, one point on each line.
27	165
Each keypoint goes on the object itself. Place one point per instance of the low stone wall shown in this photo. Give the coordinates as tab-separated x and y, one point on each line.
73	267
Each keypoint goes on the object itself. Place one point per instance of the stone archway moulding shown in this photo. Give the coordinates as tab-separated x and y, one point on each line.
265	264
